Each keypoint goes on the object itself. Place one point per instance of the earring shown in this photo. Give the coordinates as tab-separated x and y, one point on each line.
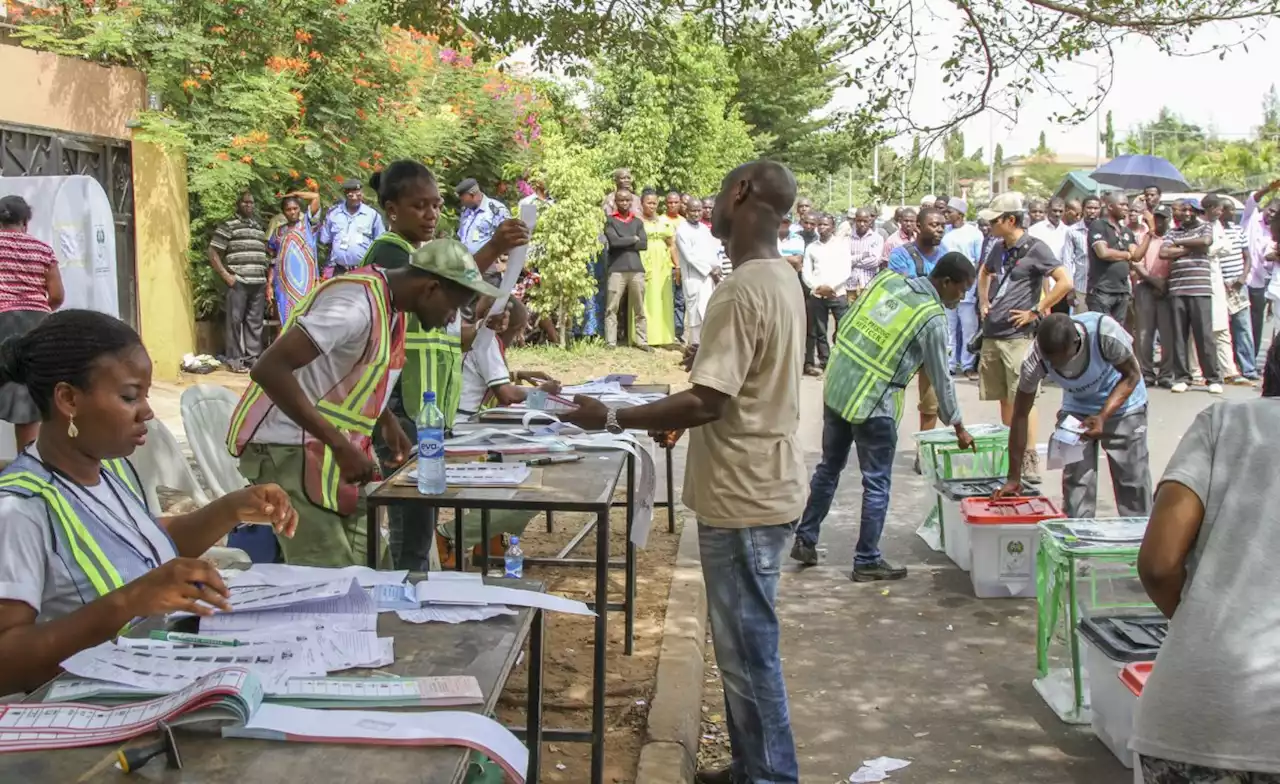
72	430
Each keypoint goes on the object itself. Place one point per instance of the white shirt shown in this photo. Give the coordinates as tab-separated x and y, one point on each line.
30	571
1053	236
697	250
338	323
828	264
481	368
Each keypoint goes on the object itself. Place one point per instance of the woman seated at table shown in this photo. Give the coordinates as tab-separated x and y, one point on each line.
487	382
80	556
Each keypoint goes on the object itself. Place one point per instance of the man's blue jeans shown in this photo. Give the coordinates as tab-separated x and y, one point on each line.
741	567
1242	340
876	440
962	325
677	294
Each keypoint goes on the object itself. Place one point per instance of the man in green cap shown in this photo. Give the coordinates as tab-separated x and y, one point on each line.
318	393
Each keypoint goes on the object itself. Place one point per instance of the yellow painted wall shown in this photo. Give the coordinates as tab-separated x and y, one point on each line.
163	234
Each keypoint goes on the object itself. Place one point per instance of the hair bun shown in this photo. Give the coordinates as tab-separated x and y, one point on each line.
375	181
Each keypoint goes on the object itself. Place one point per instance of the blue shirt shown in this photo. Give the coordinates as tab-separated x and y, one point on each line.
967	241
349	236
478	224
901	261
793	245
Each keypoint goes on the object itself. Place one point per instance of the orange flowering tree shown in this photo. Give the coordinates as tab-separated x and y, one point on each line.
275	97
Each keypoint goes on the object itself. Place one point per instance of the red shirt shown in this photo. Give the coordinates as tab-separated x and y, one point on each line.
24	265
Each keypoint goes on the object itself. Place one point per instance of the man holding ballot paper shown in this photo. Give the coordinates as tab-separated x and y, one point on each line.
1104	401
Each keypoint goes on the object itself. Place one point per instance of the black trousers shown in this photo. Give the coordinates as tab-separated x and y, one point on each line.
1193	317
1258	312
1154	317
819	311
246	307
1114	305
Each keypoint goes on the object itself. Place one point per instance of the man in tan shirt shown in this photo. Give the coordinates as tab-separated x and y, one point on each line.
745	475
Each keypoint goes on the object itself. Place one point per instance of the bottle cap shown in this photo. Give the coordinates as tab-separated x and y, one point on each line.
428	397
515	540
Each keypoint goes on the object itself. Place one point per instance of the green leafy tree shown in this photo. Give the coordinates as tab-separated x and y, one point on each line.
1270	114
566	238
274	98
672	120
1108	138
997	156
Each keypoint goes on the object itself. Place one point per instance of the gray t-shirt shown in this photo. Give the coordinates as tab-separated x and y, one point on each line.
1213	698
1032	260
30	571
1115	343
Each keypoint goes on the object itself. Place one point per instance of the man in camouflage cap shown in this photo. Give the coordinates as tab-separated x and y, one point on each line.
320	391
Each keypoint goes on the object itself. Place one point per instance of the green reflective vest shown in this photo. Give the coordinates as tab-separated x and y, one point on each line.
866	360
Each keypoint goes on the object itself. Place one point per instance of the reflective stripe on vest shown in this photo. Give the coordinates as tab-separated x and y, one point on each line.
85	551
432	363
866	358
354	413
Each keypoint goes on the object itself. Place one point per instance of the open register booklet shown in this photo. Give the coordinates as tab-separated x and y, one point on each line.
232	699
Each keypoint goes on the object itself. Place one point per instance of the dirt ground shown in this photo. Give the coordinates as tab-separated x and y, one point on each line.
568	648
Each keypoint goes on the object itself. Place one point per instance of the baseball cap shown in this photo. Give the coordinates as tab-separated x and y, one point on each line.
1194	204
351	184
1011	201
450	260
1163	211
958	204
467	186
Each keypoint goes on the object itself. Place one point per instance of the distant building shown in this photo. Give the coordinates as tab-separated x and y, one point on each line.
1078	184
1011	173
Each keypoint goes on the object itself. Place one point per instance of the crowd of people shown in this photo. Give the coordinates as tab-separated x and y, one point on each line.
332	401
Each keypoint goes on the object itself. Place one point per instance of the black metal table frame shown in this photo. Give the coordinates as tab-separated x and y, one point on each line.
594	736
532	734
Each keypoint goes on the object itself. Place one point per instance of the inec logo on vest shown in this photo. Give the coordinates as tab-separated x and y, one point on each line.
885	310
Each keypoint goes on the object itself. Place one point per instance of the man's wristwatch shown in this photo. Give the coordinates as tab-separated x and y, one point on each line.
611	421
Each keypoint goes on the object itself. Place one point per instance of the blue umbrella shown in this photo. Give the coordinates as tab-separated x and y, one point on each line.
1135	172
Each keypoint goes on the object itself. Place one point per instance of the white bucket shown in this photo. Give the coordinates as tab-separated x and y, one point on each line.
1003	559
1111	701
955	534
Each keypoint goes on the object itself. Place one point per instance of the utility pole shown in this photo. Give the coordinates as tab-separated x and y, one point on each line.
875	166
991	145
903	199
851	187
933	171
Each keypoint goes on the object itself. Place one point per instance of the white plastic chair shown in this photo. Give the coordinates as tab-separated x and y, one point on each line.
206	416
161	463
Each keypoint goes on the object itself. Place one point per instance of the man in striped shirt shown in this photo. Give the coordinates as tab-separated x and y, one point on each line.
867	247
1190	292
1236	268
905	217
238	254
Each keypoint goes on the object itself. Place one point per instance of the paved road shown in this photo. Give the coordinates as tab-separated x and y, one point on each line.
928	672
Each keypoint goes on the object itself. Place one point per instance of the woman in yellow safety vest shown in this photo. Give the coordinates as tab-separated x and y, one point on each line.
80	556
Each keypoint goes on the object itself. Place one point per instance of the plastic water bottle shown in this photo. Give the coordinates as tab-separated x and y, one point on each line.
430	447
515	559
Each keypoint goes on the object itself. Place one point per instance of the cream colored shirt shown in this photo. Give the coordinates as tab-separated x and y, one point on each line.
747	468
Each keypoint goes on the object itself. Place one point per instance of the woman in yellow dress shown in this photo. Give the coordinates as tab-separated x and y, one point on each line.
659	260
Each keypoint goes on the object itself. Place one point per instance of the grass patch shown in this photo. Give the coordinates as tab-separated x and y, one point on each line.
588	359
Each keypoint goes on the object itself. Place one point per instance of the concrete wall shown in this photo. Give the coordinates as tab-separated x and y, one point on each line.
63	93
162	234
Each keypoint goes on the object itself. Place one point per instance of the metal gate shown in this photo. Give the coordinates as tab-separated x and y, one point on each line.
30	152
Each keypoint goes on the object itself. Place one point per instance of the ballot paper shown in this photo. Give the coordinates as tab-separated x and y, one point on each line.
452	592
444	613
224	695
434	728
515	265
1067	444
440	691
267	619
286	574
343	595
165	670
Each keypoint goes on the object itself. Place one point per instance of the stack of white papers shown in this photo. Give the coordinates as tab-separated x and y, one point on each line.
285	574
